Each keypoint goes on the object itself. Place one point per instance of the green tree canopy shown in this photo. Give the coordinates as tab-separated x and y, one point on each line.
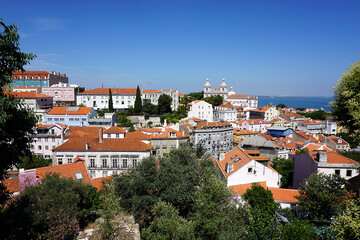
16	120
347	224
322	196
286	168
33	161
214	100
138	101
346	104
149	108
111	105
164	104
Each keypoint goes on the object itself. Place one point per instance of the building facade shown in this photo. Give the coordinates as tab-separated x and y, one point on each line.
200	109
153	97
222	90
37	78
225	112
213	136
72	116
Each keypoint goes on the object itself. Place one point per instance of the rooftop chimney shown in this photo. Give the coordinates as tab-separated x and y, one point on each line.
100	135
86	146
221	156
321	156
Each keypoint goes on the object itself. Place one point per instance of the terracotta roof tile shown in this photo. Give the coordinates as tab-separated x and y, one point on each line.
98	182
115	129
11	184
114	91
212	124
65	111
67	170
338	140
29	95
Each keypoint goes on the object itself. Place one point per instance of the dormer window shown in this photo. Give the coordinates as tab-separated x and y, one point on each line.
79	176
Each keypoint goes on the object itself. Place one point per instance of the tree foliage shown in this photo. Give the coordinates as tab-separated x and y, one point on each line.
214	100
316	115
347	224
53	209
111	105
286	168
149	108
16	120
192	97
33	161
346	102
322	196
138	101
164	104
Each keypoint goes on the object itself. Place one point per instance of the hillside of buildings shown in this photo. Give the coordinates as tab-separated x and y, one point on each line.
120	163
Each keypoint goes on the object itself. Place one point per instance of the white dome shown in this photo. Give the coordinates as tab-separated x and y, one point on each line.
223	84
207	84
231	92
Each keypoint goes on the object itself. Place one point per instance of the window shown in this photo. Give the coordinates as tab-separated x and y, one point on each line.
249	170
104	163
337	172
69	160
92	162
124	163
104	173
53	139
79	176
115	163
109	135
46	140
117	135
46	147
348	173
39	147
60	161
92	173
134	162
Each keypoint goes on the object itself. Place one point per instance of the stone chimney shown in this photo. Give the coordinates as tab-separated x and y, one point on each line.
321	156
221	156
100	135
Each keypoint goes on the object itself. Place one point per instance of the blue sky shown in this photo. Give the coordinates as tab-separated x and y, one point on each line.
274	47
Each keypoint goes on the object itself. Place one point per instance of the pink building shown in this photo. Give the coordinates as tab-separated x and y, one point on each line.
46	138
255	125
63	94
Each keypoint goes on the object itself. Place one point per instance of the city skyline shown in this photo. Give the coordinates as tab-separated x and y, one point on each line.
297	48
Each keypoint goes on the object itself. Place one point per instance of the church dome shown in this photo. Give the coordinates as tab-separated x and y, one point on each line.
231	92
207	84
223	84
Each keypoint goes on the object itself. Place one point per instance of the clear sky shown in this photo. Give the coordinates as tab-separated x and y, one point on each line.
267	47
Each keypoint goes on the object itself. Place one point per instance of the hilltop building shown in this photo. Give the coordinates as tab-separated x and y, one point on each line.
37	78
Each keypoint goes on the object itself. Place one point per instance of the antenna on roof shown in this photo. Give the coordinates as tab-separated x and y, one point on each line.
102	85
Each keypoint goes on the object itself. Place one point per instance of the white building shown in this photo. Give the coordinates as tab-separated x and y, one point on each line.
39	103
123	98
222	90
105	155
317	126
238	168
200	109
153	96
242	100
225	112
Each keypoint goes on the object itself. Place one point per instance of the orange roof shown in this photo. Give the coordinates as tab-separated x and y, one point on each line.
108	144
181	95
137	135
212	124
226	105
193	102
11	184
279	194
36	74
114	91
150	91
335	158
115	129
318	146
98	182
241	188
252	152
64	111
338	140
237	156
151	130
243	132
67	170
290	145
310	121
29	95
306	136
81	132
166	134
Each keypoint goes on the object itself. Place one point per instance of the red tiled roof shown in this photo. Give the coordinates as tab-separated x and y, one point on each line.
115	129
212	124
67	170
98	182
335	158
318	146
166	134
63	111
338	140
226	105
114	91
29	74
240	96
194	102
137	135
80	132
243	132
29	95
11	184
108	144
279	194
150	91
